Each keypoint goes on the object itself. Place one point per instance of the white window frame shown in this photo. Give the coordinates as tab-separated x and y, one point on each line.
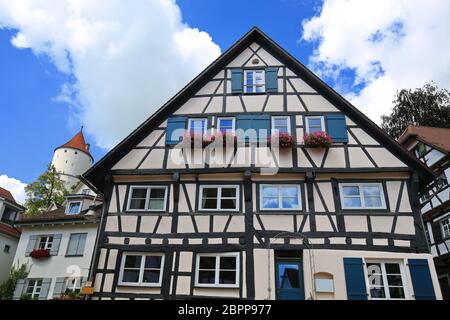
72	202
217	270
254	86
219	119
205	120
141	270
360	185
279	187
445	230
322	123
384	275
288	118
147	198
36	288
47	245
219	197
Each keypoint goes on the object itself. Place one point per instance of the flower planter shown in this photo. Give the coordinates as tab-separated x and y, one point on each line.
194	140
40	254
317	140
283	141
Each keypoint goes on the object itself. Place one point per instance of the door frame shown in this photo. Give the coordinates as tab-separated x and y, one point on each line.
291	260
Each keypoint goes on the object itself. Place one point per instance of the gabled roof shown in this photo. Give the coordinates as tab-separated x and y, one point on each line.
9	230
438	138
77	142
97	172
5	194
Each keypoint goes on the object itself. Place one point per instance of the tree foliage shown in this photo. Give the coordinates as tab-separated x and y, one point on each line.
48	189
17	272
426	106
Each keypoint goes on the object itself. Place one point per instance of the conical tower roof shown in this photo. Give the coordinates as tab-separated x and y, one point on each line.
77	142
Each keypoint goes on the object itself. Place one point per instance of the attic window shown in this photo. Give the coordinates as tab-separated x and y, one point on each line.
74	207
254	81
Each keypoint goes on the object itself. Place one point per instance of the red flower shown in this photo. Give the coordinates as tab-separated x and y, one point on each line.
285	140
318	140
40	253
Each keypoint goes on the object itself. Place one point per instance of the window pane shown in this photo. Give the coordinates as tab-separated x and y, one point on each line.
270	192
377	292
225	125
137	204
395	280
151	276
157	193
139	193
290	203
133	261
207	262
270	203
74	207
227	277
352	202
153	262
206	276
228	263
288	276
315	122
289	192
130	276
396	293
229	192
210	192
350	191
156	204
372	202
260	89
249	78
228	204
371	191
209	204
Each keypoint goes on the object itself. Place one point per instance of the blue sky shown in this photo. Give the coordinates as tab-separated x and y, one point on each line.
60	69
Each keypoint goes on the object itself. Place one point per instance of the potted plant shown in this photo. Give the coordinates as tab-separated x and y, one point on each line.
318	140
227	138
285	140
40	253
193	139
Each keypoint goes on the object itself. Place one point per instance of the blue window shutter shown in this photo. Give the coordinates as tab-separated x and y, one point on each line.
31	245
236	80
337	129
81	244
46	282
271	79
354	279
421	279
19	289
256	123
176	127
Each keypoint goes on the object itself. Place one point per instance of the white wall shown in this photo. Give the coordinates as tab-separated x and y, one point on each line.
71	162
6	259
59	265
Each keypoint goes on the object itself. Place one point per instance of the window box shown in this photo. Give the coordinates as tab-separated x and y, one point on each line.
227	139
219	270
193	140
40	253
283	140
318	140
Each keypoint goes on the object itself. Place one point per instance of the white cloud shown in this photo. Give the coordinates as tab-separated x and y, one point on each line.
16	187
128	57
390	45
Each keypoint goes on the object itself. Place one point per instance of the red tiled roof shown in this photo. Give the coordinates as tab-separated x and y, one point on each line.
9	230
58	214
7	195
435	137
77	142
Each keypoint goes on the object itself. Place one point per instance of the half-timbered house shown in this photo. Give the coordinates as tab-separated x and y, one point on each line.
258	215
432	147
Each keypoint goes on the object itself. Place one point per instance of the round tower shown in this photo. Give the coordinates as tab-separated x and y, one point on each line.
72	159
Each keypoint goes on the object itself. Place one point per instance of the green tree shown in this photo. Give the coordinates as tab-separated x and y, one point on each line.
426	106
17	272
48	189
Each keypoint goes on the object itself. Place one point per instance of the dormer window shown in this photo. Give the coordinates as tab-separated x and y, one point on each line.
74	207
254	81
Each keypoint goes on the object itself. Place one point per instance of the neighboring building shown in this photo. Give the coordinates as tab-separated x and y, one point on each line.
9	235
432	147
255	221
58	245
72	159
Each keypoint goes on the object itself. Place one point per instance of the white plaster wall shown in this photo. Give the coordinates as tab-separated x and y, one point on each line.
59	265
6	259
